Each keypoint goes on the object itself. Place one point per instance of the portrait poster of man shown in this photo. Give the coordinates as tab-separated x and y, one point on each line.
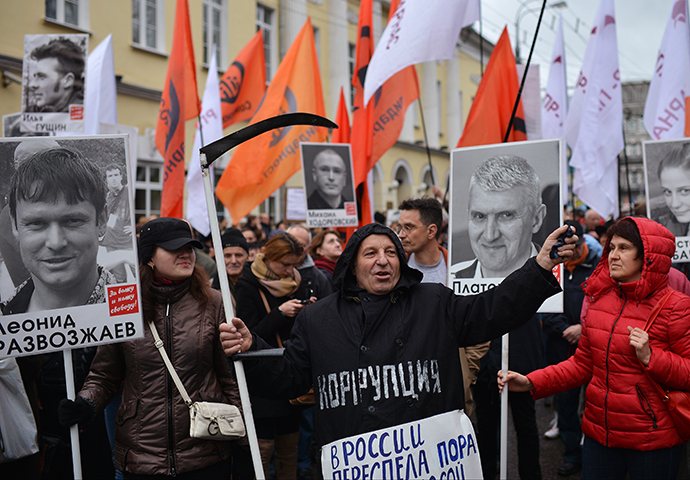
667	187
54	70
504	201
69	272
328	185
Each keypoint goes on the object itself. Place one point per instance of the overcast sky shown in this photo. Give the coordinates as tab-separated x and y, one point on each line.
640	26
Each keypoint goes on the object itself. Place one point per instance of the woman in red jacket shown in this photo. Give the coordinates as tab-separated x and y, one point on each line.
627	426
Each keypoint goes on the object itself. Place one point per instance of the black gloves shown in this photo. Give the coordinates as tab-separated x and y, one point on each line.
79	411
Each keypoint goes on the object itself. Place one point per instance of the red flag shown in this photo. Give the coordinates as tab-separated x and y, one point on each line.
244	83
258	167
493	103
179	103
376	128
342	119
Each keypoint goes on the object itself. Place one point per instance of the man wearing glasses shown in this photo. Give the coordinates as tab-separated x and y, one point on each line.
419	231
330	177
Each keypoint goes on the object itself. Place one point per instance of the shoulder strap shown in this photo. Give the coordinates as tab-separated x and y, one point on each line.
652	316
161	349
657	308
268	310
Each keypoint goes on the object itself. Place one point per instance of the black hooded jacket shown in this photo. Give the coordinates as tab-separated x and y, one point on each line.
378	361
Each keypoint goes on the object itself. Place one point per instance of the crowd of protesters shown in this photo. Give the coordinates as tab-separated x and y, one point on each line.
277	271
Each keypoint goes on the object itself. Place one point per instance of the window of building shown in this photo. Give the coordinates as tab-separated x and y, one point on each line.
266	21
215	31
148	189
351	52
74	13
148	24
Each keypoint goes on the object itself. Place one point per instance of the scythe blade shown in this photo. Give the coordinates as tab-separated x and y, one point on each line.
219	147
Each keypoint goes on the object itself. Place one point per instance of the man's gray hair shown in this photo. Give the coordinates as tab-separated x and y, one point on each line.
504	172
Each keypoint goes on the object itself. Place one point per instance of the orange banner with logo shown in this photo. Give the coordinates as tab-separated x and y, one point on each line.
244	83
261	165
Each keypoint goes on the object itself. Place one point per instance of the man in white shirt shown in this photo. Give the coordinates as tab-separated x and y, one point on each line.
420	228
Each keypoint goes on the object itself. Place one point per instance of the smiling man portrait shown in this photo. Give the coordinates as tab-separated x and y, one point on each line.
505	211
58	209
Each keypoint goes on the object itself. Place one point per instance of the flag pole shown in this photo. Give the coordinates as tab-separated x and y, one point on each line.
627	172
481	41
229	314
505	341
426	140
524	74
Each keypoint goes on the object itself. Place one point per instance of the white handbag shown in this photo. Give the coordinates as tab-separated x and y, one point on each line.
207	420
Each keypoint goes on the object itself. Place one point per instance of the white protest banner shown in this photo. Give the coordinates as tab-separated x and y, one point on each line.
329	184
75	268
664	110
53	81
442	446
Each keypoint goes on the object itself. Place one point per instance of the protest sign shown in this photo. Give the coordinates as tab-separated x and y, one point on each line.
328	185
505	200
667	187
73	261
442	446
53	80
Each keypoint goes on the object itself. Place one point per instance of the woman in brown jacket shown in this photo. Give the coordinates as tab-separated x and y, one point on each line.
152	422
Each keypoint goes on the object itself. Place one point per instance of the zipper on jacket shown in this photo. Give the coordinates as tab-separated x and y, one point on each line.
646	406
171	435
608	351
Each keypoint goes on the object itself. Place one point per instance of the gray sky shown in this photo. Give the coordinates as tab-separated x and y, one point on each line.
640	26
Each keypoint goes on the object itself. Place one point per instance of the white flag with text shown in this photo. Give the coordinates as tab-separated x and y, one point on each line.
210	129
555	103
664	112
594	125
420	31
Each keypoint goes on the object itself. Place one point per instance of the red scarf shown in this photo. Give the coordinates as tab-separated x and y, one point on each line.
326	264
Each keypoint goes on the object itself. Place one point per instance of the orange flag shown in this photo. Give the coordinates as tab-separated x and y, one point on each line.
342	119
179	103
376	128
244	83
493	103
258	167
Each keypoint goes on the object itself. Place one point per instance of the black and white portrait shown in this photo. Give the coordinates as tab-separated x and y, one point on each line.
667	182
54	71
66	225
328	184
505	200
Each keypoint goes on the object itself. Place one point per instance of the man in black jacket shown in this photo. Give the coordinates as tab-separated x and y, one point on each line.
383	321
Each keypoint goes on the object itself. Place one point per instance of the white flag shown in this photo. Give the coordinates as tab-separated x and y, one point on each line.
420	31
100	94
594	126
555	104
211	129
664	112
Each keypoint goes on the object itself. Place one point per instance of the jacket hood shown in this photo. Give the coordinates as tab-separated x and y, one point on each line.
344	280
659	246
